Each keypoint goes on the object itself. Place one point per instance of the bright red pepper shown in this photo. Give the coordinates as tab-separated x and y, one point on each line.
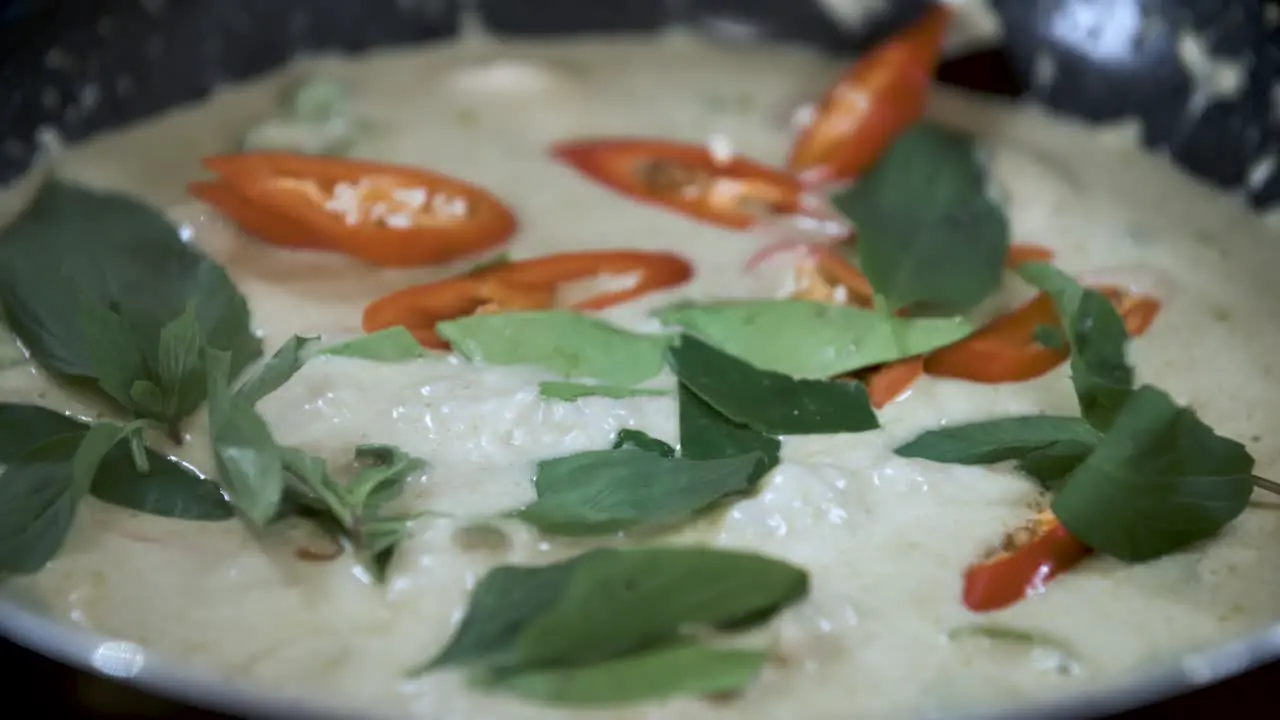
1029	558
1006	350
522	285
734	193
882	94
383	214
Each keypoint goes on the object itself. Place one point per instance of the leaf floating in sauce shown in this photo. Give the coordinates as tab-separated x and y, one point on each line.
571	391
283	365
38	499
666	671
383	214
101	288
1008	635
168	488
393	344
1097	336
249	462
767	401
732	192
629	438
994	441
1159	480
601	624
603	491
929	236
806	339
567	343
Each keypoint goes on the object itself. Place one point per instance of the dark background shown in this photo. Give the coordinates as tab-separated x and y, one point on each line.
39	683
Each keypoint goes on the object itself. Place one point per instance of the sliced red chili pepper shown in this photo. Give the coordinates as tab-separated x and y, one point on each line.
522	285
1006	350
1030	557
383	214
882	94
886	383
735	192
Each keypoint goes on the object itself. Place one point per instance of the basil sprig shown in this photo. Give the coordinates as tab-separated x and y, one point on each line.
102	290
1137	476
615	626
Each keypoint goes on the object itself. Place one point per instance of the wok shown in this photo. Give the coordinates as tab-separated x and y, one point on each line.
1114	60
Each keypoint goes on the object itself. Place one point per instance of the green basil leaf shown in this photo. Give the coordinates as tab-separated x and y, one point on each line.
169	488
147	399
570	391
114	356
1052	464
96	443
386	470
249	463
1051	338
179	369
994	441
74	247
1158	481
1011	635
603	491
929	234
277	371
707	435
394	344
567	343
621	601
629	438
1100	372
608	603
767	401
503	604
807	339
680	669
22	427
38	502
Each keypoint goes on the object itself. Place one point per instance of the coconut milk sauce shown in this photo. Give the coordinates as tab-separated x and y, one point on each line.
886	539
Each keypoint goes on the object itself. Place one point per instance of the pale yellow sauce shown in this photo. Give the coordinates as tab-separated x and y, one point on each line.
886	539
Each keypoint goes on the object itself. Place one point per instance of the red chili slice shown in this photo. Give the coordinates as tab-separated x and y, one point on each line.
522	285
1030	557
734	193
881	95
383	214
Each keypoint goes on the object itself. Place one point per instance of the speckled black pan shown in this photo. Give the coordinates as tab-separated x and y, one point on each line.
85	65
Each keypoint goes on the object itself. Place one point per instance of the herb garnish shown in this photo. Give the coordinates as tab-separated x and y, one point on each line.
1159	480
994	441
806	339
51	464
1139	476
567	343
600	628
393	344
767	401
1096	335
101	289
604	491
268	481
929	235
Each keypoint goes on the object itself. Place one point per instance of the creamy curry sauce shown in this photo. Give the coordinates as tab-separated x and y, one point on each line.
886	539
